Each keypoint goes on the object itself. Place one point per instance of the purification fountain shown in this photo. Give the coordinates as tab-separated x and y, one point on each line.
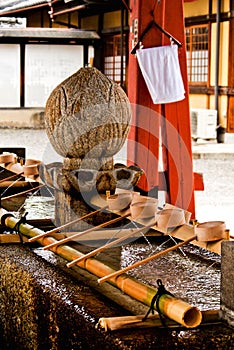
45	305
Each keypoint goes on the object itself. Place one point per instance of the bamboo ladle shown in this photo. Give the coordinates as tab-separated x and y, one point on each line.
79	234
23	192
11	177
33	239
107	245
150	258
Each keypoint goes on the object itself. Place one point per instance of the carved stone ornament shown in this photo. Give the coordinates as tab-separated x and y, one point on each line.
87	119
87	115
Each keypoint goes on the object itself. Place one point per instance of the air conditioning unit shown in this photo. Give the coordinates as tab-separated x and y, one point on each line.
203	123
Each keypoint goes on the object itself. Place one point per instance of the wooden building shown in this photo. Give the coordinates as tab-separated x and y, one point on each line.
209	29
61	36
209	46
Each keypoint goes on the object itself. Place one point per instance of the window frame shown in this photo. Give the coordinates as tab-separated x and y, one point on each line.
190	51
120	66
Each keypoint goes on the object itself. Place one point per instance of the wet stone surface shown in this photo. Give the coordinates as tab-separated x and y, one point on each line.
191	274
42	307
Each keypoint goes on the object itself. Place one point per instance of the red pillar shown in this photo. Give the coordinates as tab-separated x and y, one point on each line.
173	119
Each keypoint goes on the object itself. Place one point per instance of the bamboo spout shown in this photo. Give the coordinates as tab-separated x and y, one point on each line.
180	311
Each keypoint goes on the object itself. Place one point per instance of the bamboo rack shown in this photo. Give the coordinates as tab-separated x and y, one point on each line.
80	234
108	245
173	308
126	322
66	225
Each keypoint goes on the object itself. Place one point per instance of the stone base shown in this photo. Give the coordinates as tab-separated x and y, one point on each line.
227	315
42	308
44	305
227	286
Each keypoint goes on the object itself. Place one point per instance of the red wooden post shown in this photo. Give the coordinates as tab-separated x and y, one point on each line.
172	118
143	149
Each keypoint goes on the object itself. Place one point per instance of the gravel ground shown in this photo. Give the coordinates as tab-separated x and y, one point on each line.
216	202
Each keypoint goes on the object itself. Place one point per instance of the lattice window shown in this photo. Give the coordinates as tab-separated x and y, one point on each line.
112	59
197	47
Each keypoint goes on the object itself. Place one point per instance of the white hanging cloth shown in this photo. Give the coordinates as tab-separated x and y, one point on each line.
161	71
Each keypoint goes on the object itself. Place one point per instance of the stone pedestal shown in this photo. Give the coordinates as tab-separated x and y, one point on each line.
227	282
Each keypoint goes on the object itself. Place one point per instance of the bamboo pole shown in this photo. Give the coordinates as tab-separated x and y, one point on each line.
15	184
6	238
144	261
127	284
70	223
79	234
107	245
44	234
21	193
11	177
126	322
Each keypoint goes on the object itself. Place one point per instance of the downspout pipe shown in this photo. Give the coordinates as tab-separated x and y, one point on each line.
220	129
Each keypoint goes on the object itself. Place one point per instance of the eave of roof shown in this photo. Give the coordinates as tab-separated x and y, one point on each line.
87	7
48	33
9	7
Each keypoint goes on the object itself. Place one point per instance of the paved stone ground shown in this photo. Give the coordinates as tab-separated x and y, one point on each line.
216	202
